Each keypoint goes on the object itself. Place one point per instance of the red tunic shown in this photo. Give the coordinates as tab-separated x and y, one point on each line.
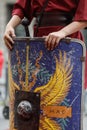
29	7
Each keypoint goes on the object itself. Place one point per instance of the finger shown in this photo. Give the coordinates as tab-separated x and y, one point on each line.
57	42
13	33
9	38
46	39
53	43
49	42
8	44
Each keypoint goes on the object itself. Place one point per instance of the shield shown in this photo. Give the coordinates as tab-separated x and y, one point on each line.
46	87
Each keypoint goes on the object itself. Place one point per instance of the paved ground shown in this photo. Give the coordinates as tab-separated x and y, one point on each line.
85	123
4	124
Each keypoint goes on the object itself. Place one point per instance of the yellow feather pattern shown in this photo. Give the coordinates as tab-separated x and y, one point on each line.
12	88
48	124
59	84
53	93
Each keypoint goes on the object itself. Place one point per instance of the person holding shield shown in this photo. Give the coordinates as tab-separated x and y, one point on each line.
56	20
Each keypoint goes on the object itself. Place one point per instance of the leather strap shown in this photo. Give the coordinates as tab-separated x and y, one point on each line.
55	19
40	16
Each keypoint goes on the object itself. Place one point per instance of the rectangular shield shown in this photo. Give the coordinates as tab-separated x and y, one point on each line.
58	76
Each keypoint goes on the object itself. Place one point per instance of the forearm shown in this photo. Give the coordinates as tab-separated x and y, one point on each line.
10	31
73	27
15	21
52	40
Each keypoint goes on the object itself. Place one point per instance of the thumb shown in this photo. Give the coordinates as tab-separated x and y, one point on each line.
13	33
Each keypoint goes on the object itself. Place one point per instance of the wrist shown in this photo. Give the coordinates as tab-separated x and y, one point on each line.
64	32
9	25
14	22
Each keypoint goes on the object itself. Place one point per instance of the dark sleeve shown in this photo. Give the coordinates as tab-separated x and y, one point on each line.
81	12
22	8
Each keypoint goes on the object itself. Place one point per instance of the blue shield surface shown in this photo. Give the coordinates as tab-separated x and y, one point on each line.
57	75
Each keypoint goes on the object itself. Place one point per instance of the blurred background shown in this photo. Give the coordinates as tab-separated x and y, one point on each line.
6	7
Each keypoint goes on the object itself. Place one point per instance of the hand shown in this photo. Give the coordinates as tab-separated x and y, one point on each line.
52	40
8	35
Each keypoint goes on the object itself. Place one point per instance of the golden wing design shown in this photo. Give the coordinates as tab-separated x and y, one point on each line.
48	124
12	84
59	84
12	88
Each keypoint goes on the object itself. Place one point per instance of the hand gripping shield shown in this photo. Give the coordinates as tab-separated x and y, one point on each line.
46	87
